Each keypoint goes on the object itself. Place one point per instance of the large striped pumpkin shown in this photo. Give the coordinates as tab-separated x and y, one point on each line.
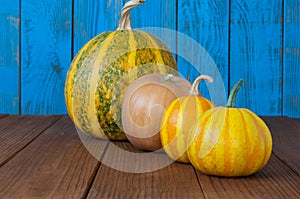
102	70
229	141
179	118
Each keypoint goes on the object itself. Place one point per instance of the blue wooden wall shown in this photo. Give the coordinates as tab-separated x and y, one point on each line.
257	40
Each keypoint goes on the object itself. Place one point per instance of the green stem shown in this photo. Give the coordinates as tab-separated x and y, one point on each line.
233	94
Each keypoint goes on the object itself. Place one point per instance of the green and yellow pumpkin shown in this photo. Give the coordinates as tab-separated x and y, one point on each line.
103	69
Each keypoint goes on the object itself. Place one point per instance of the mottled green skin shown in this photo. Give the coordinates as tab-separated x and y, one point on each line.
77	83
114	78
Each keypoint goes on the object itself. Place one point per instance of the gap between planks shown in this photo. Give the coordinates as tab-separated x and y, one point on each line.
173	181
3	116
17	132
55	164
286	140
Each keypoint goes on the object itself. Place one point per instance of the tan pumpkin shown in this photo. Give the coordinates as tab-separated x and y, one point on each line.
144	104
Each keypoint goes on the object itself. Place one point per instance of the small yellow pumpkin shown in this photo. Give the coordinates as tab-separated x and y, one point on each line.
179	118
229	141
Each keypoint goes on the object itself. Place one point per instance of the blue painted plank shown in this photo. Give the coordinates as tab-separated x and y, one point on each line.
271	84
255	54
291	62
154	13
9	57
205	22
92	17
158	18
46	55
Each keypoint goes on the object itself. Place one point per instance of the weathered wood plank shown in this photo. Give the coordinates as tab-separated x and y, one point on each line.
206	22
92	17
55	165
174	181
255	54
275	180
291	64
46	55
16	132
9	56
286	140
3	116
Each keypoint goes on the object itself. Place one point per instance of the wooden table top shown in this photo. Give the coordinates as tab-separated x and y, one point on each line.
44	157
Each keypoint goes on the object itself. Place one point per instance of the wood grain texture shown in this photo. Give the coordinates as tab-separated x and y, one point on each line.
46	55
93	17
207	23
3	116
291	64
255	54
275	180
9	56
13	138
55	165
286	137
174	181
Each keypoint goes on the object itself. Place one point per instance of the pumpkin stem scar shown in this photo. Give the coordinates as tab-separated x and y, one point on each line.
233	94
194	89
168	78
124	23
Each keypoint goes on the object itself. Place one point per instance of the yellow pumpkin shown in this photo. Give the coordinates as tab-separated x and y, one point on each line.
179	118
229	141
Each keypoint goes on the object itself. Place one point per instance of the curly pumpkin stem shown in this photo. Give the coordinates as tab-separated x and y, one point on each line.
233	94
124	23
194	89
